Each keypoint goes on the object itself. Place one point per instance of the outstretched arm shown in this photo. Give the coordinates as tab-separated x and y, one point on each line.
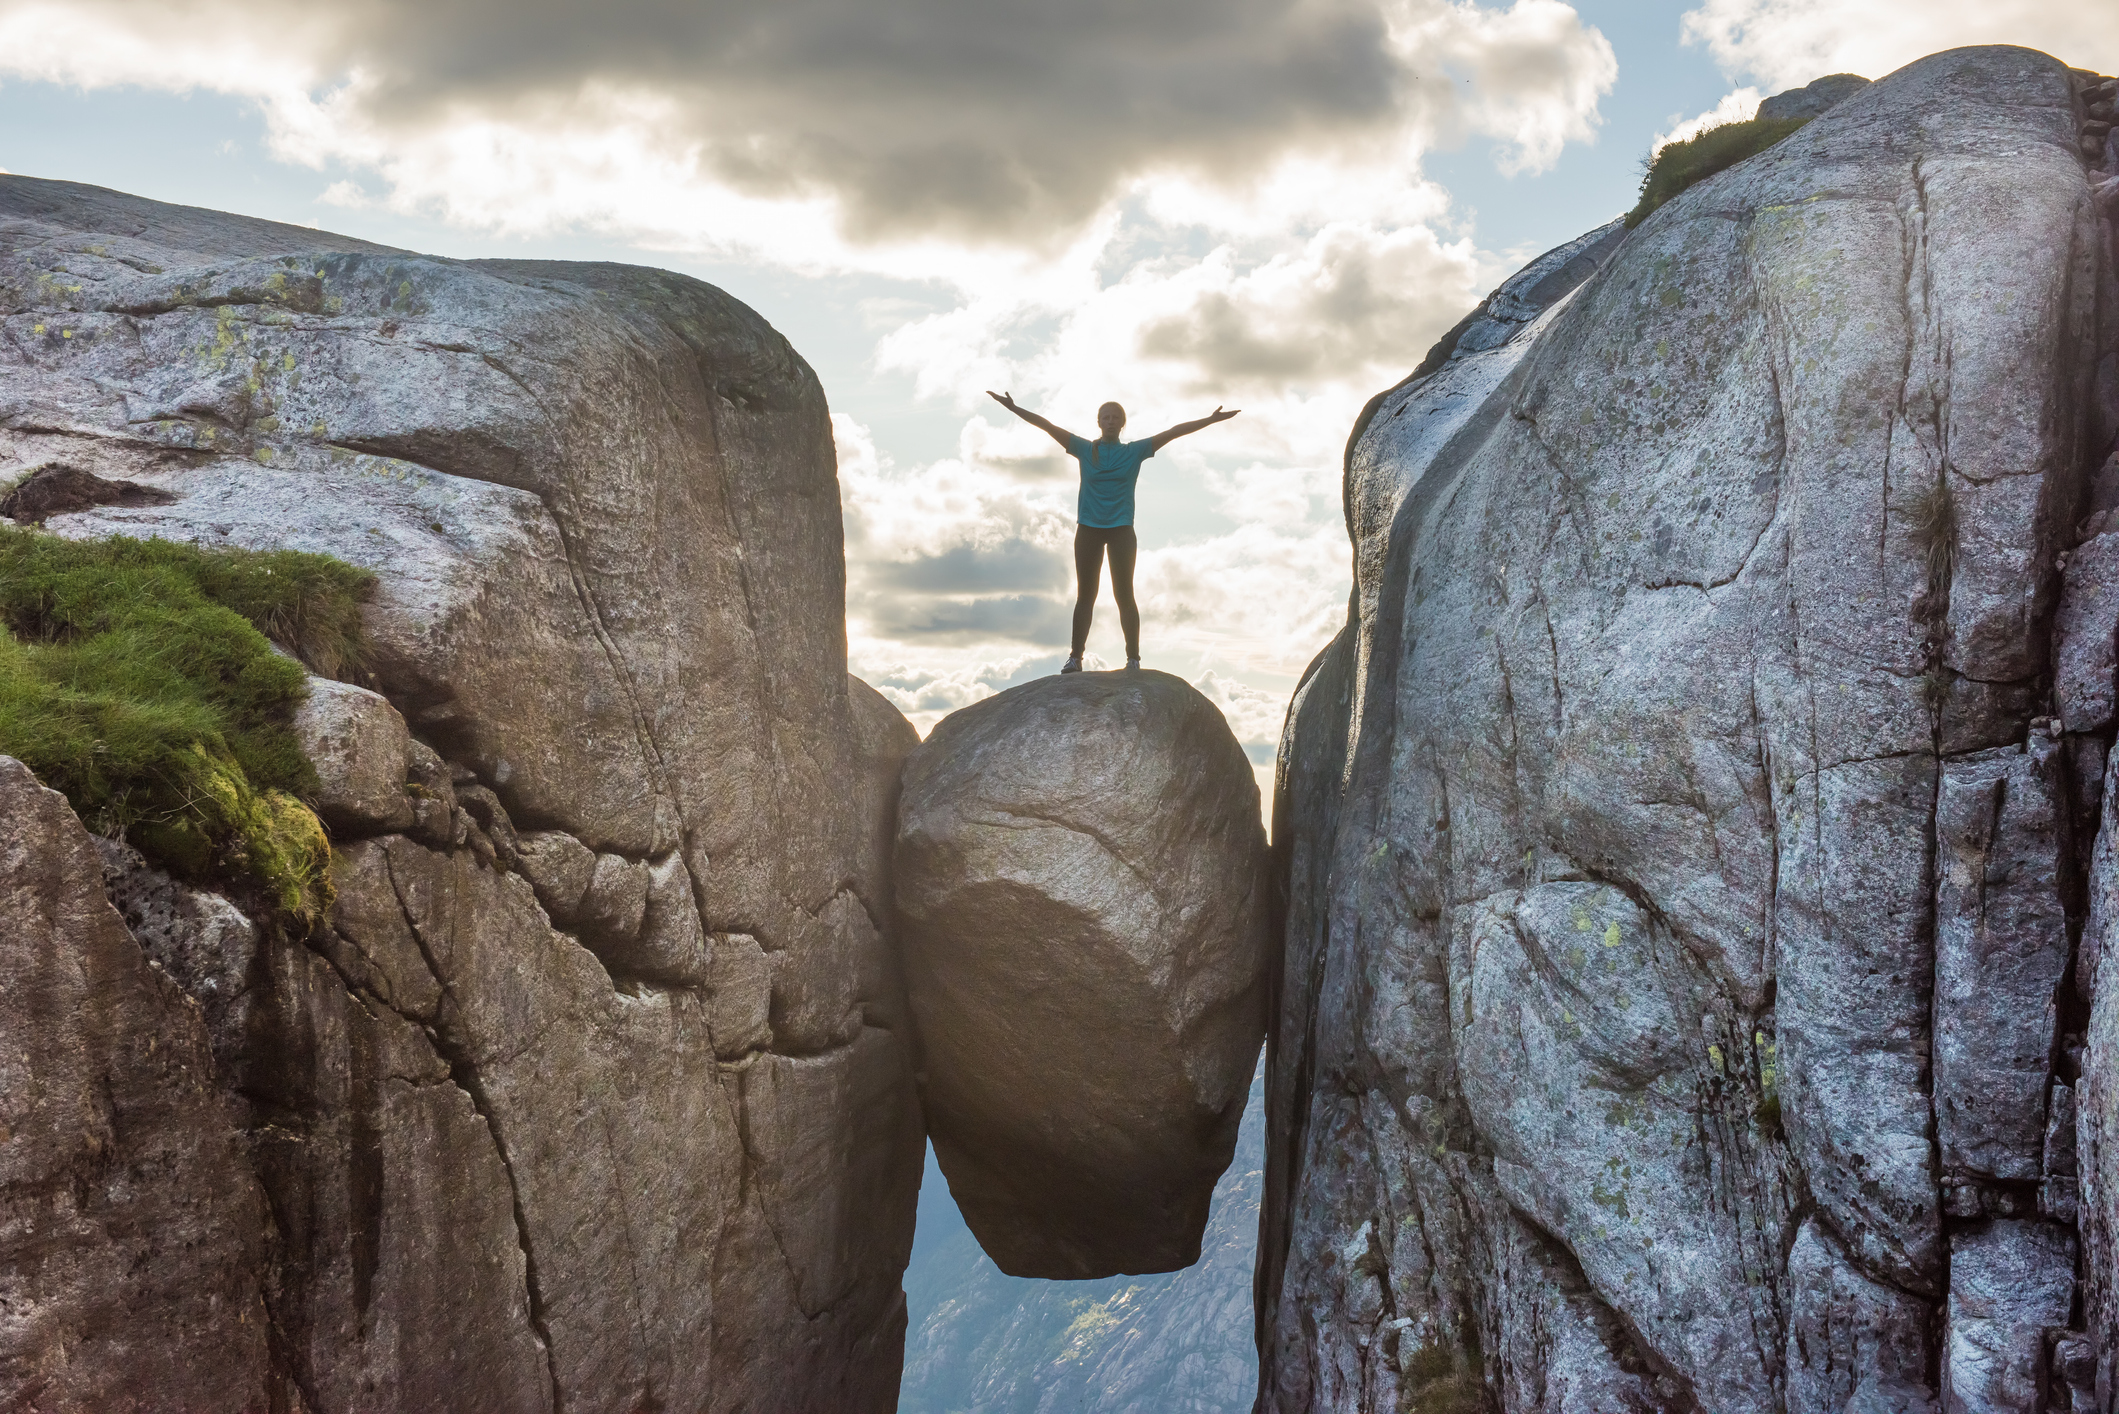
1182	429
1058	434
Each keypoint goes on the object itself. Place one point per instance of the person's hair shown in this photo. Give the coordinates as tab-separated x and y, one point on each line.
1121	412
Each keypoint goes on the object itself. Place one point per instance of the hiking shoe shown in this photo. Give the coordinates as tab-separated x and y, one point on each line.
1073	665
1132	665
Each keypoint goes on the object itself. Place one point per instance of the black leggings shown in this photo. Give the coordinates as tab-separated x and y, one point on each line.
1090	542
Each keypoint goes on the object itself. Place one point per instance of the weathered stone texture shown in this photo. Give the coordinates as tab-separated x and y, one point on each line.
2096	1098
587	1091
1853	1342
2088	656
595	1090
1812	99
131	1227
358	744
2001	949
2010	1283
1080	891
1679	891
2089	1365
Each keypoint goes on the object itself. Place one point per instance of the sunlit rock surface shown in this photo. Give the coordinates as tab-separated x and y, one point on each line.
1681	855
595	1092
1081	893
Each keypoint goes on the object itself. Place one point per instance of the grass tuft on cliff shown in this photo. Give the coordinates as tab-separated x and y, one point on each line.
1682	164
135	678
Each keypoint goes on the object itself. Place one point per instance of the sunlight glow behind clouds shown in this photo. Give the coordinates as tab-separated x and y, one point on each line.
803	130
1190	203
1179	204
1786	43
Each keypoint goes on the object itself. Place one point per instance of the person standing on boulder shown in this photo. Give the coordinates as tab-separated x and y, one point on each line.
1105	512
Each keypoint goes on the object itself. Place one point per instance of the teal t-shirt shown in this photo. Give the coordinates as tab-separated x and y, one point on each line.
1108	473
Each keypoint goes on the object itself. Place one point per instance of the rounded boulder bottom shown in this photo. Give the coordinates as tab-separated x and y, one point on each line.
1080	887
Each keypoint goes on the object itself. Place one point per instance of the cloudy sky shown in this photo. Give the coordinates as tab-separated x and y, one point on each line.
1275	205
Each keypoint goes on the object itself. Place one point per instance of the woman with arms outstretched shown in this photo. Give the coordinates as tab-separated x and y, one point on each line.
1105	513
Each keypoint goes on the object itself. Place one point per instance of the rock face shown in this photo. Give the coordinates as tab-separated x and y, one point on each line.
361	750
1813	98
1080	891
595	1093
131	1226
1681	846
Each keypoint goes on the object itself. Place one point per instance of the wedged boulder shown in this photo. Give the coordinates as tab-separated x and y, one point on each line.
1080	891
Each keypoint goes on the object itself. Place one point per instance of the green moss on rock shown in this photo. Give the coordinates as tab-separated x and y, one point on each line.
136	678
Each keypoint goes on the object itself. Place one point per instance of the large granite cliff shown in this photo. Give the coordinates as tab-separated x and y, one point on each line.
1695	846
593	1093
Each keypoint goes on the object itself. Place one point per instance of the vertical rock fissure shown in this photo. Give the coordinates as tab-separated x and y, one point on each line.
711	400
593	612
1769	946
1303	1092
464	1072
590	608
284	1348
1933	532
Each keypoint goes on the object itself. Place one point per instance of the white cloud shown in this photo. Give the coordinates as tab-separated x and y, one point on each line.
1350	297
955	140
1261	600
1786	43
926	695
1735	107
1297	332
1535	72
1254	714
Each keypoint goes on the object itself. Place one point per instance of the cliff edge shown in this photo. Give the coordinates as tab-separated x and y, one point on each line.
594	1092
1694	874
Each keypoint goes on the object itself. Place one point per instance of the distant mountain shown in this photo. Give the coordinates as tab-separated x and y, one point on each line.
981	1342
